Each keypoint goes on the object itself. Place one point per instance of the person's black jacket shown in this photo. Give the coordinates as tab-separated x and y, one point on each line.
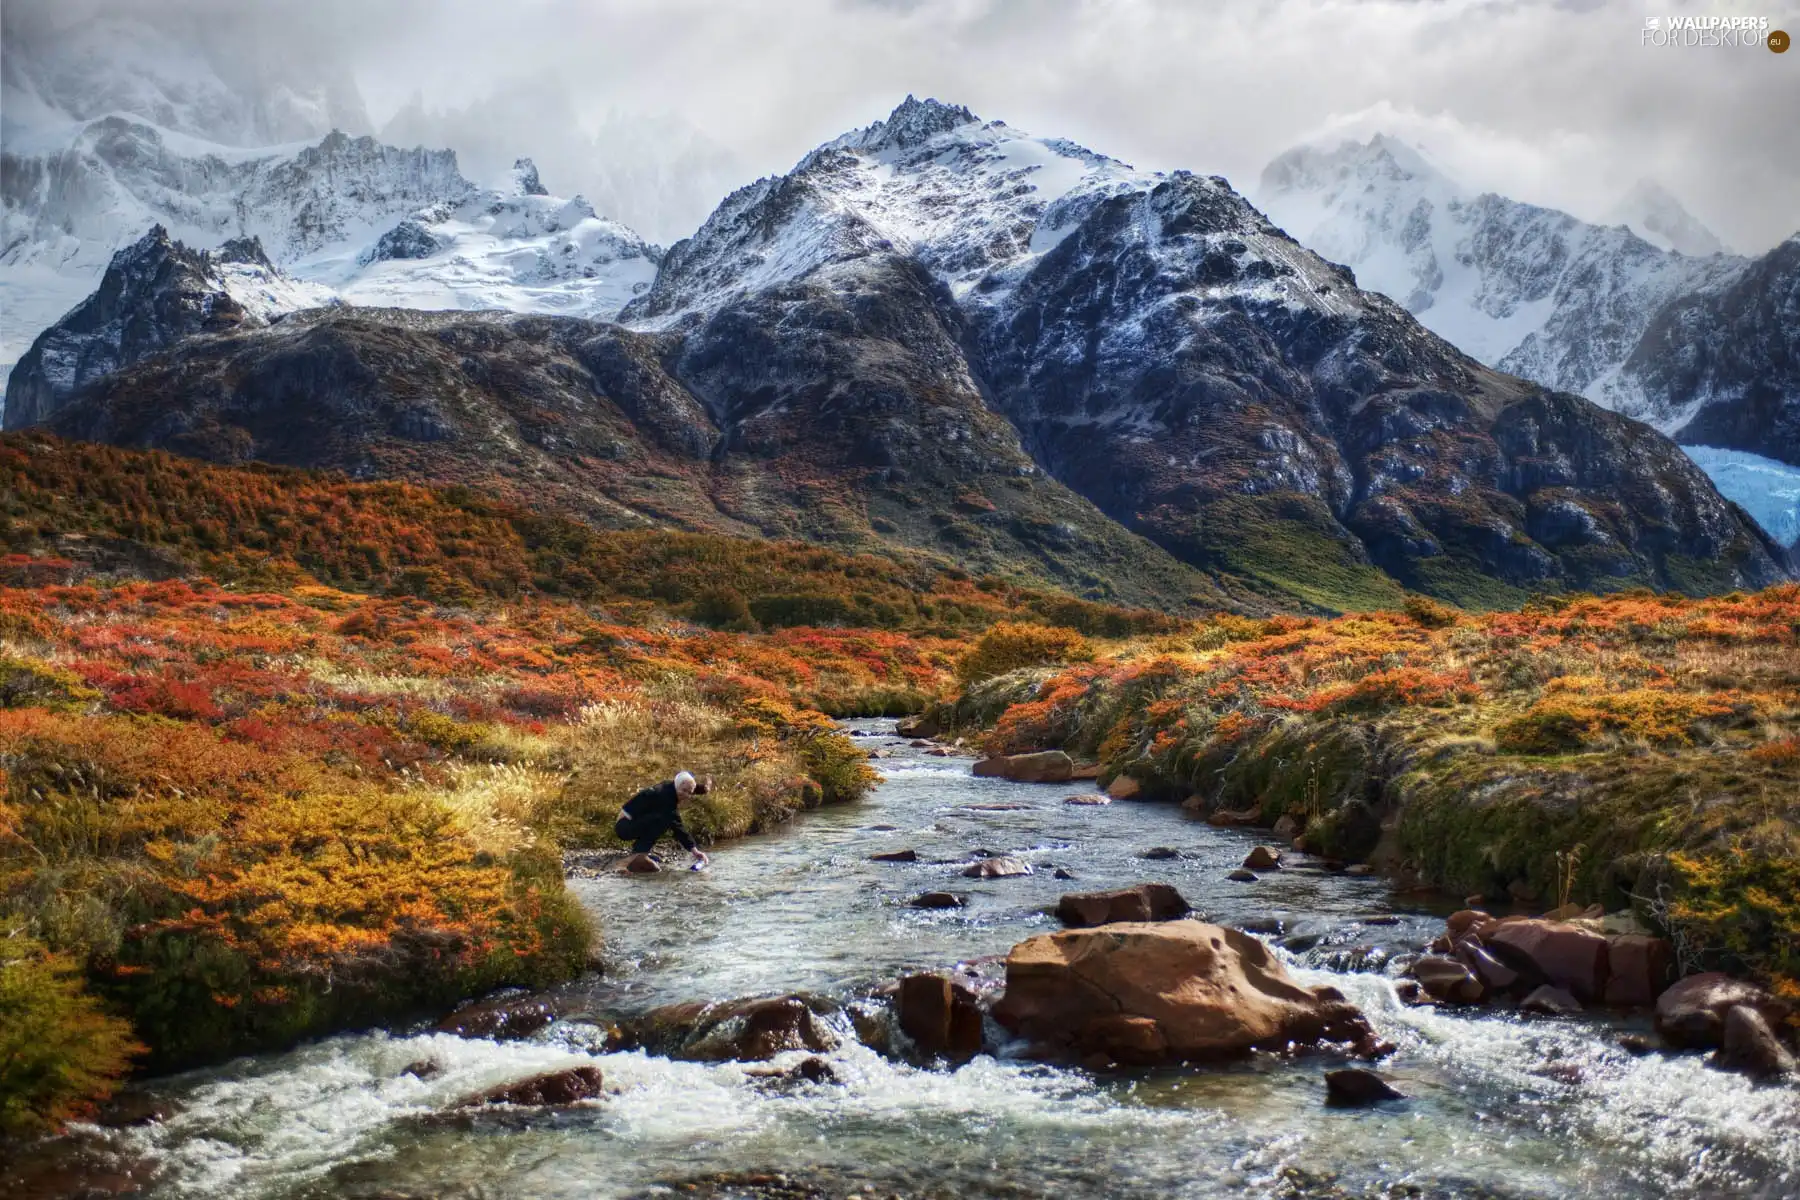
658	809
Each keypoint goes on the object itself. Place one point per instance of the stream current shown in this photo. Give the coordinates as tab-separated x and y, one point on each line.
1500	1105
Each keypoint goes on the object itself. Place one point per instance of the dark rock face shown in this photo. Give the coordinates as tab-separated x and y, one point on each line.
1691	1014
1750	1046
154	294
941	1016
749	1030
408	239
501	1021
1145	902
1353	1087
1735	350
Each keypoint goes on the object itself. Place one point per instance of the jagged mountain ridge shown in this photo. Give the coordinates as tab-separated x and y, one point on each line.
934	287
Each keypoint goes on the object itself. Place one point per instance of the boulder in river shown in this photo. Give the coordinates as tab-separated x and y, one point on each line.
1638	968
1230	818
1242	876
1159	853
1091	798
1262	858
1354	1087
1124	788
896	856
754	1029
1043	766
1749	1045
1550	1001
1556	952
552	1089
1001	866
1448	980
1145	902
1691	1013
924	725
811	1069
940	1016
1165	992
501	1021
940	900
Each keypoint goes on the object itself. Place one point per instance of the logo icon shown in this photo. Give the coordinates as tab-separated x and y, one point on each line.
1652	22
1779	40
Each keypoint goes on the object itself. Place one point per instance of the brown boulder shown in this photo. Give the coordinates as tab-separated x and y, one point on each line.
1229	817
1085	771
553	1089
1145	902
924	725
1045	766
500	1021
939	900
1690	1014
1750	1046
1164	992
1553	952
1551	1001
1263	858
1495	975
1448	981
1124	788
1286	827
1001	866
1467	921
896	856
1638	968
1093	798
640	864
1353	1087
1242	876
749	1030
941	1017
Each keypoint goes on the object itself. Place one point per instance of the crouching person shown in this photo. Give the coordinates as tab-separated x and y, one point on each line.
656	811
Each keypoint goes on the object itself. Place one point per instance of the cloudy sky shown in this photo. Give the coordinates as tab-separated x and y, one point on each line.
652	107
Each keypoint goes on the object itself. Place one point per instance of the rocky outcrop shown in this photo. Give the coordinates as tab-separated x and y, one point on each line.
942	1017
500	1021
1145	902
748	1030
1562	954
1749	1045
1168	992
1043	766
553	1089
1691	1013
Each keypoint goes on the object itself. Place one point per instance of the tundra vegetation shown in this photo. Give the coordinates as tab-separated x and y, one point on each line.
283	753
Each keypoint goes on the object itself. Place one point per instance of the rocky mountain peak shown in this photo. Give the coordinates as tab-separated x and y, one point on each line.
525	180
915	121
1654	214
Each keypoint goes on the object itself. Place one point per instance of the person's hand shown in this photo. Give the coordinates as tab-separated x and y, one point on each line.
700	860
705	786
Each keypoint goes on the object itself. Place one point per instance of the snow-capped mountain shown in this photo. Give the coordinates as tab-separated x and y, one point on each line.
1530	290
1654	214
87	173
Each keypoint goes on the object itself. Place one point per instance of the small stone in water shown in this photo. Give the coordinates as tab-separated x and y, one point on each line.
1242	876
896	856
940	900
1353	1087
1160	853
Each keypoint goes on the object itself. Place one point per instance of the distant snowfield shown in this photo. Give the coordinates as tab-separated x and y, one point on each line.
1766	489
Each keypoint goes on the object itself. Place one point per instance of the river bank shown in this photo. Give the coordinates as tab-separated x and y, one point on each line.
1500	1104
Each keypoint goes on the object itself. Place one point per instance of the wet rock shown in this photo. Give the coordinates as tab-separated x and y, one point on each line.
1469	920
1448	980
1262	858
1124	788
1568	956
1286	828
1359	869
812	1069
1408	991
424	1068
1638	969
1636	1044
1690	1014
1551	1001
503	1021
1086	771
940	752
924	725
754	1029
1092	798
1146	902
940	900
1354	1087
919	744
1159	853
896	856
1748	1045
1164	992
1381	919
1242	876
1230	818
640	864
135	1108
1003	866
1063	873
882	828
1495	975
997	807
941	1017
1044	766
551	1090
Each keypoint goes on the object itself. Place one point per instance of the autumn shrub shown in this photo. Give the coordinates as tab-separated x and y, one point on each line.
61	1051
1012	645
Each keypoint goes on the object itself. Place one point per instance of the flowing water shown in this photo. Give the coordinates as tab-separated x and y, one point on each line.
1499	1105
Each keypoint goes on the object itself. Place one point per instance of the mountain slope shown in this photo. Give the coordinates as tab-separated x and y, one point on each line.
1180	361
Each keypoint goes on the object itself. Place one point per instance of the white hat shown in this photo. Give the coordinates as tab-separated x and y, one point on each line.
684	782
